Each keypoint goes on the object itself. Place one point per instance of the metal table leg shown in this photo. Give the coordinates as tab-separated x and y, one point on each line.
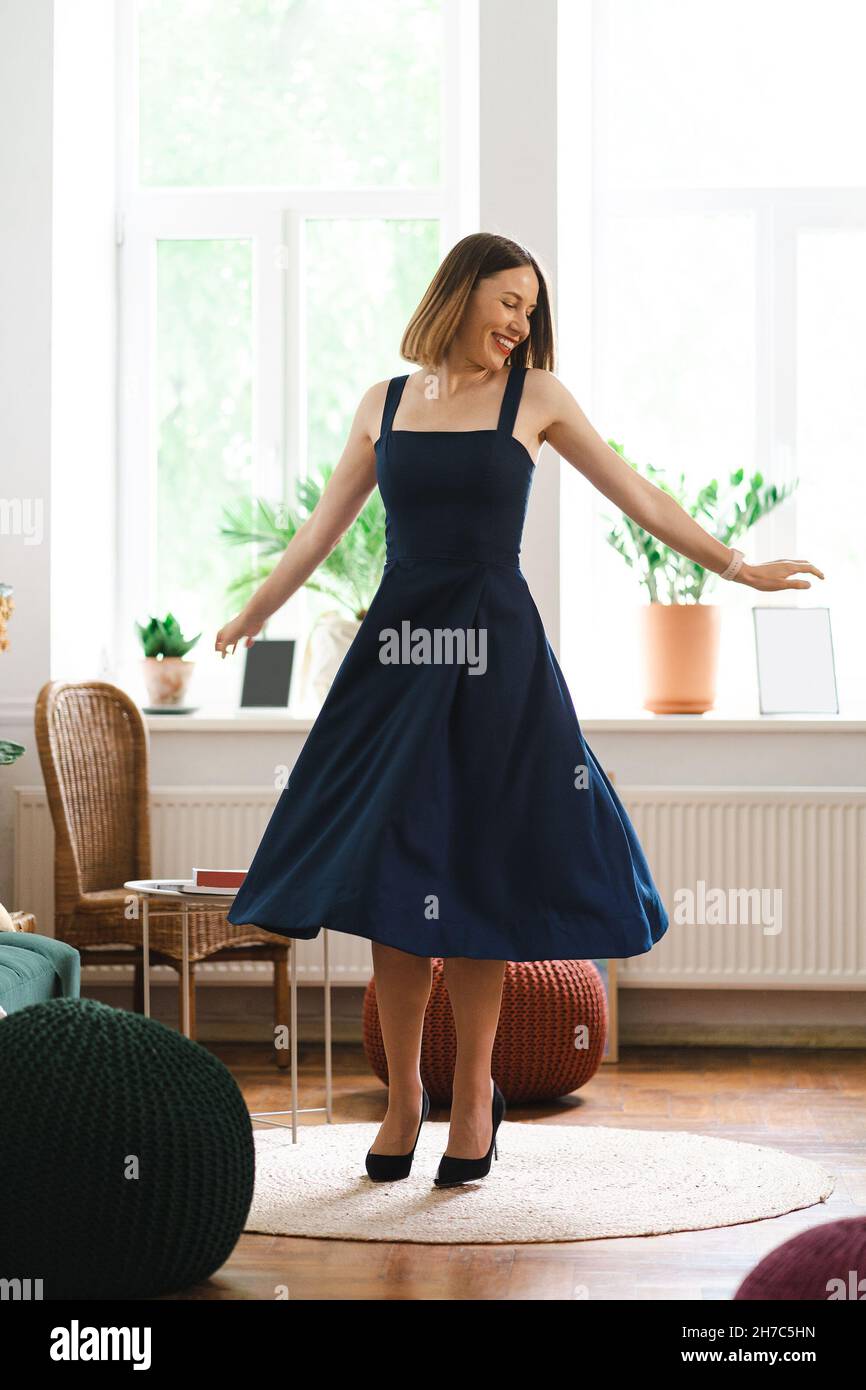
185	968
145	955
328	1087
263	1116
294	1027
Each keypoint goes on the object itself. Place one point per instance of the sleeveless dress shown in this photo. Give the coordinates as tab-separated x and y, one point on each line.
452	807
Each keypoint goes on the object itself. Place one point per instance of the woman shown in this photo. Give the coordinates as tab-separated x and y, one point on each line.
445	802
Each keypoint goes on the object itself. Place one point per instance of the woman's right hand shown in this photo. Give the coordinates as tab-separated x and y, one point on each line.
244	625
776	574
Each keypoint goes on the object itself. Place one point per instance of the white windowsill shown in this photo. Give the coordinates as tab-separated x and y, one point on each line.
216	719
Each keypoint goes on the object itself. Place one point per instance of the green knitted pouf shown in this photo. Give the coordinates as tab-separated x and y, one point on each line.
126	1153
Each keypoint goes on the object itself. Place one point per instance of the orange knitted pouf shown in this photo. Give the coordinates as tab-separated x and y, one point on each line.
549	1042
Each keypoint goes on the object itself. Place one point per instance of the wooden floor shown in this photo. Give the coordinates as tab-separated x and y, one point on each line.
811	1103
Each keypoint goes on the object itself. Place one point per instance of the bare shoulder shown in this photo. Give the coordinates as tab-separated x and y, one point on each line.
543	385
371	407
546	398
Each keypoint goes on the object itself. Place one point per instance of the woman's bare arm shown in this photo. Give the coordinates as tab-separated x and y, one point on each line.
343	497
575	439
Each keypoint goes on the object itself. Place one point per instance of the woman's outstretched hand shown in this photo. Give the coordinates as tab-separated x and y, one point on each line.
776	574
244	625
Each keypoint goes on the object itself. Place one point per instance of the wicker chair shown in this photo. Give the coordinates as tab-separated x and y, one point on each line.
94	751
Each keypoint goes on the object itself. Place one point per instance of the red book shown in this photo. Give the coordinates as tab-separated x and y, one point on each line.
218	880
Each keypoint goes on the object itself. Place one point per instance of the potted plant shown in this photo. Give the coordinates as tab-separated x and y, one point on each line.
9	751
166	674
349	575
6	609
679	633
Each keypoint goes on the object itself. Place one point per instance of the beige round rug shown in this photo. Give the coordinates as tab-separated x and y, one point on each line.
551	1182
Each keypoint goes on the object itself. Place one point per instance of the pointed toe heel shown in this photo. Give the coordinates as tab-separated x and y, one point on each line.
453	1171
392	1167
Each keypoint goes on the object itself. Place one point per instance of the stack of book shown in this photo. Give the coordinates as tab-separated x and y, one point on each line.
220	882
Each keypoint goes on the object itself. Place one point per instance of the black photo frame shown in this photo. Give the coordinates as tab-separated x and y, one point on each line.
268	674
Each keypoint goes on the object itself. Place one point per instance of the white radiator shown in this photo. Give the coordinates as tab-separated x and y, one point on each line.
809	843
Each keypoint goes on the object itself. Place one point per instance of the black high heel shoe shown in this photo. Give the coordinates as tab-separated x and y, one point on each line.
391	1167
457	1170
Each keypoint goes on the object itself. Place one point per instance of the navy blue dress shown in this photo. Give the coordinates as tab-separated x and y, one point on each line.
439	806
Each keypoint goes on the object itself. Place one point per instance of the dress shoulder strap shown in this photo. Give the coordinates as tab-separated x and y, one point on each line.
392	400
511	400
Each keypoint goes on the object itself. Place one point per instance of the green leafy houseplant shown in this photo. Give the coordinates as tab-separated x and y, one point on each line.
164	638
727	518
349	575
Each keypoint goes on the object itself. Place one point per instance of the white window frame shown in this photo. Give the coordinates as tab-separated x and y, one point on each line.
273	219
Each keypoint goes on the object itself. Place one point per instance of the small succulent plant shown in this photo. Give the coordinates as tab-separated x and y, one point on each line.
163	637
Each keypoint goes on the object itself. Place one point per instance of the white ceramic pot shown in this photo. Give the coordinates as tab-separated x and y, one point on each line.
329	639
166	679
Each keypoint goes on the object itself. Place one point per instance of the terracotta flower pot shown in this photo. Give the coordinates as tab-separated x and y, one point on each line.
166	679
681	656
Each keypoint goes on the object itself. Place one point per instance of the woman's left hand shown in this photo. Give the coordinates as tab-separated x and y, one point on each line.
775	574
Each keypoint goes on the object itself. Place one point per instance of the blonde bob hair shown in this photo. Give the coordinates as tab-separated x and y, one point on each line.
434	323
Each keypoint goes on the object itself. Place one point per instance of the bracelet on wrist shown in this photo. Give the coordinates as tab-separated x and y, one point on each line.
737	561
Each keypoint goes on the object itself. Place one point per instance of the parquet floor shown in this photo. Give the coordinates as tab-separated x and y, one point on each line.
807	1102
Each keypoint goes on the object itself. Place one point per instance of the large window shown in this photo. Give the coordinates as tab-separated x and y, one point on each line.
727	306
289	174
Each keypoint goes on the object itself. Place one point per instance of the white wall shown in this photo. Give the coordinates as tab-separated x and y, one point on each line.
57	356
26	37
26	31
83	383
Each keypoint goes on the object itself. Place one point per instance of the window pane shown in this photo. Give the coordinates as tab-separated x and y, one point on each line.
364	279
337	93
677	360
676	388
204	383
831	437
741	94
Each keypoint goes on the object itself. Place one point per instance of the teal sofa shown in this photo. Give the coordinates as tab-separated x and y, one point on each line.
34	969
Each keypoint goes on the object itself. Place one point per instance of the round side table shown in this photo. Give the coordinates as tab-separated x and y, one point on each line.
180	891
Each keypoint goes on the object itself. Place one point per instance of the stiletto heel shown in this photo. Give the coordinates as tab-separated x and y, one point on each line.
453	1171
392	1167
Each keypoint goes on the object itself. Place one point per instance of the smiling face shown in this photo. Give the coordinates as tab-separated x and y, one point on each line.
497	315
